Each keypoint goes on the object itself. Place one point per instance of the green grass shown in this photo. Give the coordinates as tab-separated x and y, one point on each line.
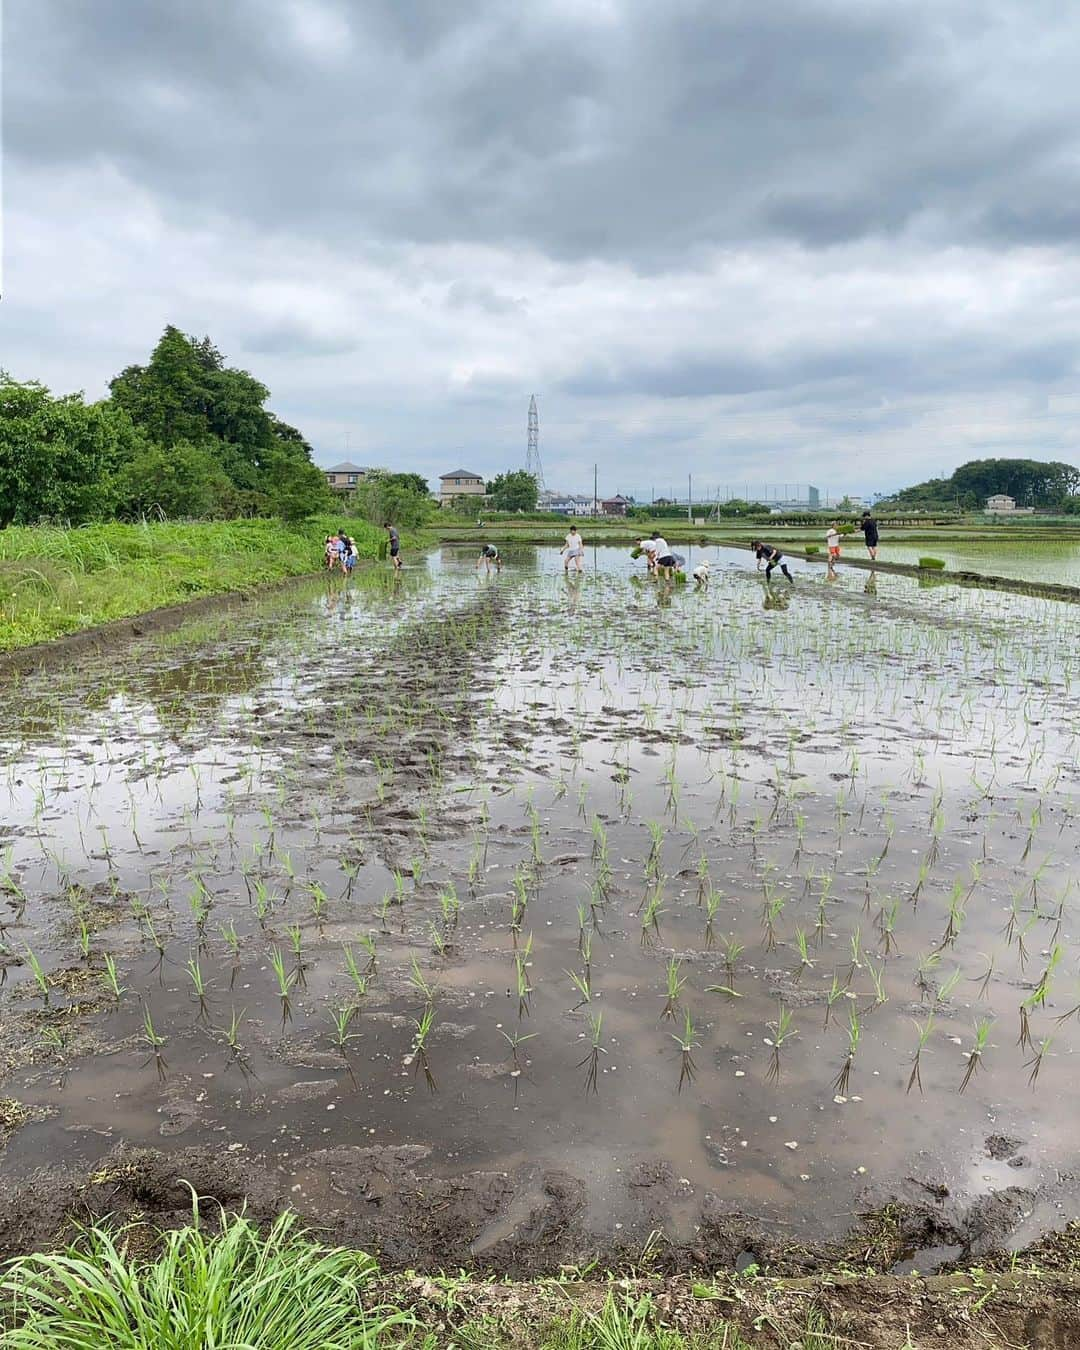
933	564
56	581
236	1290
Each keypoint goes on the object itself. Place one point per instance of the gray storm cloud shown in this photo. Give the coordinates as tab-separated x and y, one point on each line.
732	232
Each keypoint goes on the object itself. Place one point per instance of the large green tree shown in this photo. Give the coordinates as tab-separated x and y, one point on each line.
57	455
515	490
186	393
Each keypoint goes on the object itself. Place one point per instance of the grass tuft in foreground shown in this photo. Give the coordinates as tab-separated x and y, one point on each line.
236	1288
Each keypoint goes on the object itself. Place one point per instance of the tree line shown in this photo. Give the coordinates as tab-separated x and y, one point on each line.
1048	485
183	436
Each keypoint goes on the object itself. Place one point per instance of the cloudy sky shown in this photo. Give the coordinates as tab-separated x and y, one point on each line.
825	241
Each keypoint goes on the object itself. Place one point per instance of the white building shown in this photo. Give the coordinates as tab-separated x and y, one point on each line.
1000	504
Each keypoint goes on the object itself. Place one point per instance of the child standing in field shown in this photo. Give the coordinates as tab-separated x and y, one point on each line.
574	548
330	552
832	542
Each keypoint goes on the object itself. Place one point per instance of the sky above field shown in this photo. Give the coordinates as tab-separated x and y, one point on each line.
803	241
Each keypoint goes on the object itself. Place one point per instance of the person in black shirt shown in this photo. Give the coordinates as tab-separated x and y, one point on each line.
870	533
771	557
395	546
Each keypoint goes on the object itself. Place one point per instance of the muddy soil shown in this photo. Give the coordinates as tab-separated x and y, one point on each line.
736	927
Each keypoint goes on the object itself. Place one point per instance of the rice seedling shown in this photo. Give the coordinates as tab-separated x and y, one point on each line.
877	978
805	963
975	1054
712	904
199	986
521	975
832	997
653	859
154	1042
675	985
583	987
421	984
515	1040
687	1042
360	981
842	1082
1036	1060
237	1054
423	1026
591	1062
652	913
924	1031
342	1019
773	914
111	979
296	940
284	984
783	1029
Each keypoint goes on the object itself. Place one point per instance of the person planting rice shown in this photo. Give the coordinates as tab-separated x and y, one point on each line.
395	546
489	556
574	548
666	561
771	557
647	545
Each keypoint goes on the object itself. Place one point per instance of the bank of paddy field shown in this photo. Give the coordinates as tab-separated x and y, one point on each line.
59	581
531	926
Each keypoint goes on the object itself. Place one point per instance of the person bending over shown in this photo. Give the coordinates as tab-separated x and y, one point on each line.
771	557
489	556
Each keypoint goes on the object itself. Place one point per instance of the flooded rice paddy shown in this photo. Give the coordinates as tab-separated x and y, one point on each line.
580	912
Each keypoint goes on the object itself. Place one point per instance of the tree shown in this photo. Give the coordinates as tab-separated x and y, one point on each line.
394	498
514	490
56	455
295	488
181	481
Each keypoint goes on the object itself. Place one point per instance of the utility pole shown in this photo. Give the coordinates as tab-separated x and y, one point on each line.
595	509
690	497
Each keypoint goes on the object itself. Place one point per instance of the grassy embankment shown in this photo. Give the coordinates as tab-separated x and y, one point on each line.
57	581
133	1289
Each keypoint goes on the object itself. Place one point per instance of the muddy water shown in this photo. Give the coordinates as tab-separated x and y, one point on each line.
467	779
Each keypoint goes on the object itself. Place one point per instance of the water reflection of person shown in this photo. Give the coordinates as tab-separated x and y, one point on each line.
775	599
572	583
871	584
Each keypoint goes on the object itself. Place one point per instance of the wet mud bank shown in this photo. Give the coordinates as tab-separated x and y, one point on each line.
404	1206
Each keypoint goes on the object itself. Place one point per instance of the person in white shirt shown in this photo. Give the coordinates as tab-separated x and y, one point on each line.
666	561
648	547
574	548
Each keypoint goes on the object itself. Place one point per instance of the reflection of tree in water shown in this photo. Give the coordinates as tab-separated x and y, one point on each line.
775	599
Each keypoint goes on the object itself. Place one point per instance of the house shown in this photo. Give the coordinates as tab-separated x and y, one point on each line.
615	506
566	503
1000	504
345	477
460	483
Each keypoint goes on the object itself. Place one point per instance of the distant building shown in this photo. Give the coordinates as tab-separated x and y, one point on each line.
566	503
345	477
1000	504
460	483
615	506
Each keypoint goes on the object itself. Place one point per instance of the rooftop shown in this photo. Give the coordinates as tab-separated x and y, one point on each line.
345	468
461	473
